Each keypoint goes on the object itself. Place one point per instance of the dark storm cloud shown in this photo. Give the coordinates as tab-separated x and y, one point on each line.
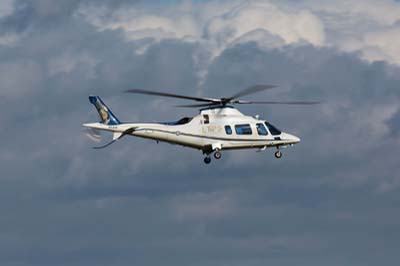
41	13
49	14
331	200
394	124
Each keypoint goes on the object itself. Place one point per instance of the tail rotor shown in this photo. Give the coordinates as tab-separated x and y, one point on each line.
93	134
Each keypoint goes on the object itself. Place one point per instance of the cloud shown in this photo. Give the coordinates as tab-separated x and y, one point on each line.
245	18
348	26
203	205
380	45
70	61
6	8
221	26
10	74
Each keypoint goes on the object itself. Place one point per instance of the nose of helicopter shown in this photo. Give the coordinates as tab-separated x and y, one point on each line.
293	139
296	139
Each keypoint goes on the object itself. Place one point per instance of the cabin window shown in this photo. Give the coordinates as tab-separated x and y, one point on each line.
206	119
228	130
261	129
244	129
274	131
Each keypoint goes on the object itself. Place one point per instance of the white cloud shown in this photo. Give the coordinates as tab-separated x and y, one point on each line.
215	26
139	24
376	121
365	27
292	27
221	26
9	39
384	12
378	45
68	61
6	7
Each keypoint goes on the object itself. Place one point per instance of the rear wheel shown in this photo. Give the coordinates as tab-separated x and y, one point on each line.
207	160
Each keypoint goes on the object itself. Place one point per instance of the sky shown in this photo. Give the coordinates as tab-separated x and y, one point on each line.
333	199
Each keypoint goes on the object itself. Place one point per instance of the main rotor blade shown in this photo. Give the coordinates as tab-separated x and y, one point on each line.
164	94
198	105
279	102
251	90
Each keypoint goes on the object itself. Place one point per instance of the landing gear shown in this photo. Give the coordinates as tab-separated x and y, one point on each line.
217	155
278	154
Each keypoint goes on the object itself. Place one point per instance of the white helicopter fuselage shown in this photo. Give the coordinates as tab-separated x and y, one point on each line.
214	129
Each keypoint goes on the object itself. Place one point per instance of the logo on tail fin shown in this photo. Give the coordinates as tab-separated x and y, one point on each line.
105	113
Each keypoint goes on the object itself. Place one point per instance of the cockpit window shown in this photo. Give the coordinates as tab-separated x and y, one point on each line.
244	129
206	119
261	129
228	130
274	131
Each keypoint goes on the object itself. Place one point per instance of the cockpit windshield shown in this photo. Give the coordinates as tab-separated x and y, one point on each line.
184	120
181	121
274	131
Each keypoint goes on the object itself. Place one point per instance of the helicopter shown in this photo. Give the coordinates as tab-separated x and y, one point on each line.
218	126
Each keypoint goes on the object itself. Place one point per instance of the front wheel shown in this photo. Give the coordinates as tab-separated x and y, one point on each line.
278	154
207	160
217	155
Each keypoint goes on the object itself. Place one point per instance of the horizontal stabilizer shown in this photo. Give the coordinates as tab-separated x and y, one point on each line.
118	136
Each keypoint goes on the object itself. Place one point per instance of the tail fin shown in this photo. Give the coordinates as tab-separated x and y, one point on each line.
106	116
